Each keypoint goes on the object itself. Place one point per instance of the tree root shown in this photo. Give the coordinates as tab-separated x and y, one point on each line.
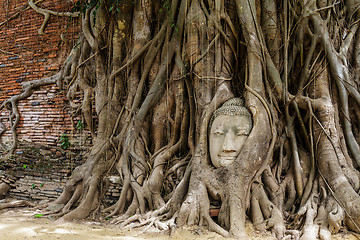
81	191
157	220
309	210
265	214
148	221
336	218
16	203
323	216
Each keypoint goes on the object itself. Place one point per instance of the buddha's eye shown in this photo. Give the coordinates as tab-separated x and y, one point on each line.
242	132
218	132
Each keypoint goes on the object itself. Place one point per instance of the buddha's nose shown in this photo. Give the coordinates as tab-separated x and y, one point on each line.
228	145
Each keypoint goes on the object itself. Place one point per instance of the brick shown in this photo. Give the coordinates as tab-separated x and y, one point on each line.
13	58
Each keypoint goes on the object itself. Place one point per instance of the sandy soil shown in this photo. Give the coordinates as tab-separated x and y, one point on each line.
20	224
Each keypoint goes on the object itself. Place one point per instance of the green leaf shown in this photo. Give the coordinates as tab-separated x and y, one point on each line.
38	215
24	166
64	141
41	184
79	125
111	8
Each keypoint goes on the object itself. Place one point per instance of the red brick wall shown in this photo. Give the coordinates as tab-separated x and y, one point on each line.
25	55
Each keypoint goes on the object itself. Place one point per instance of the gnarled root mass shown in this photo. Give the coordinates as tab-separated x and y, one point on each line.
151	75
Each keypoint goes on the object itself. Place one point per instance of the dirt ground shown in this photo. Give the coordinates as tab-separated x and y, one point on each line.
20	224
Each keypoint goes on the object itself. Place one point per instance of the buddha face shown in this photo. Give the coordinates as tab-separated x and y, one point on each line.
227	137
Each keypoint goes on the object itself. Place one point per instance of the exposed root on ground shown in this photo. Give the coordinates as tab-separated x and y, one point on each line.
16	203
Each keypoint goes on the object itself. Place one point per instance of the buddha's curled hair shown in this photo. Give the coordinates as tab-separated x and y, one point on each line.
232	107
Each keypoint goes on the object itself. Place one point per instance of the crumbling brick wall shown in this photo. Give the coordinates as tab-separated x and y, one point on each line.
40	172
25	55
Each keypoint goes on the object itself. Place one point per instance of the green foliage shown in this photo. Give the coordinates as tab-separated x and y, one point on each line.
38	215
24	166
80	125
115	6
83	5
95	11
165	6
35	186
64	141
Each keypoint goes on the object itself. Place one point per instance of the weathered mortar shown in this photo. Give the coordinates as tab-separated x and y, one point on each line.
41	172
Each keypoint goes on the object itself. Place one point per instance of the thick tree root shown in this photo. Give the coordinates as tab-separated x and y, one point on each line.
16	203
81	193
265	214
322	216
153	220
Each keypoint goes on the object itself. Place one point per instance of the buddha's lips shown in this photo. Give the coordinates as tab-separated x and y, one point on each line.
229	158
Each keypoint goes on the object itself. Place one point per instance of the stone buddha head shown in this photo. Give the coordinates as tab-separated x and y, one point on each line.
229	128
